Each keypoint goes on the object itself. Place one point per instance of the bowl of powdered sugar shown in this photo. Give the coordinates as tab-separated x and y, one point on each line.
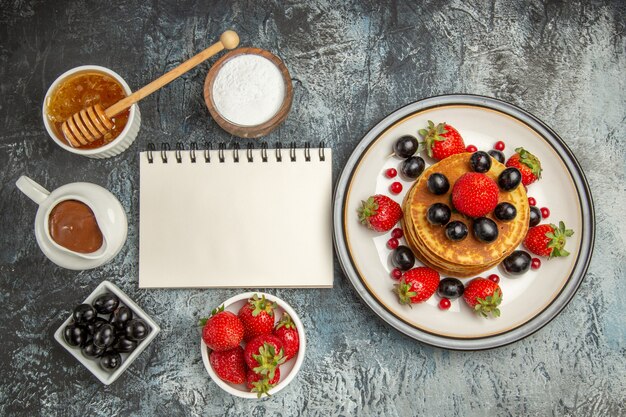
248	92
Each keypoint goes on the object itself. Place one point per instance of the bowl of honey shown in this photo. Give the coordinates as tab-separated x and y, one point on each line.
86	86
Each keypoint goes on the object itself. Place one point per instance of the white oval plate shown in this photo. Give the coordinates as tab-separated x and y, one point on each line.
529	301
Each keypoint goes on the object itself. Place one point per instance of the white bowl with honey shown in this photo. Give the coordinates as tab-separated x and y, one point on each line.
86	86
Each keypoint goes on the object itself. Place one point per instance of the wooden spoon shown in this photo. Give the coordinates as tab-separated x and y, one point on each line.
94	122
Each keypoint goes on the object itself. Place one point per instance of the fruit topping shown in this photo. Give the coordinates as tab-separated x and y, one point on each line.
475	194
545	212
412	167
494	277
548	240
505	211
286	331
104	336
261	384
483	296
485	229
499	146
471	148
380	213
438	214
397	233
75	335
450	288
395	188
393	243
456	231
120	317
497	155
402	257
84	313
94	325
535	216
106	303
438	184
480	161
257	317
517	262
124	345
396	273
110	361
527	163
92	351
264	354
535	263
444	304
417	285
229	365
532	201
442	140
391	173
222	331
509	179
136	329
406	146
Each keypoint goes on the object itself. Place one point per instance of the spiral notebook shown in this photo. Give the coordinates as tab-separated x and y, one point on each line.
251	218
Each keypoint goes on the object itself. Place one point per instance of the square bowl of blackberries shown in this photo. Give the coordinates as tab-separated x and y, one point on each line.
107	332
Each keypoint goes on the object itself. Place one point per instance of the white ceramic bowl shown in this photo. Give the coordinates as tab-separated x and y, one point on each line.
288	370
120	143
104	376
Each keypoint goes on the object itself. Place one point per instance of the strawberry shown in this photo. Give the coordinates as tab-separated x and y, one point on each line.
527	163
475	194
483	296
548	240
417	285
286	331
222	331
264	354
380	213
261	384
229	365
257	316
442	140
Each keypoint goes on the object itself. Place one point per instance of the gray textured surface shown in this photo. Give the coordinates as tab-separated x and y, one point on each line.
353	63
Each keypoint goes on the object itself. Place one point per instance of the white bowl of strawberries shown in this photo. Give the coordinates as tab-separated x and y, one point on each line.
253	345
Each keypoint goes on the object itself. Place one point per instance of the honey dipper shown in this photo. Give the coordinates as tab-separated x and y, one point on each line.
94	122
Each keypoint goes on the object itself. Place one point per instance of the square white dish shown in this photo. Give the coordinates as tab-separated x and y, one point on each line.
108	378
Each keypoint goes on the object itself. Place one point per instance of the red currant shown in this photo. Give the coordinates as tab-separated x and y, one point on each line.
397	233
494	278
396	188
499	146
471	148
532	201
545	213
535	263
391	172
392	243
444	304
396	273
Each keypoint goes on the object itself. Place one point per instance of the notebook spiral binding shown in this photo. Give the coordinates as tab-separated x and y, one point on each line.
221	152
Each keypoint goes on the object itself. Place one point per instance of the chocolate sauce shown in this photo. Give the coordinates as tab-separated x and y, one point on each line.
73	225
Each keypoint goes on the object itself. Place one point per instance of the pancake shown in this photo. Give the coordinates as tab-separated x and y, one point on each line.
469	256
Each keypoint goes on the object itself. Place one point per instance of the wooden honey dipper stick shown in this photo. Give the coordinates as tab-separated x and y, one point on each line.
94	122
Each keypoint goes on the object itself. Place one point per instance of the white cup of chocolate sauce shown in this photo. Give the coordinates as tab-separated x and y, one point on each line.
79	225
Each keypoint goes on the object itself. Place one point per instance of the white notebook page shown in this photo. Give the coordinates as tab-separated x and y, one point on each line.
247	224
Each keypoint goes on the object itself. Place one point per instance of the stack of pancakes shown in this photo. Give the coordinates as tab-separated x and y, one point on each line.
468	257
